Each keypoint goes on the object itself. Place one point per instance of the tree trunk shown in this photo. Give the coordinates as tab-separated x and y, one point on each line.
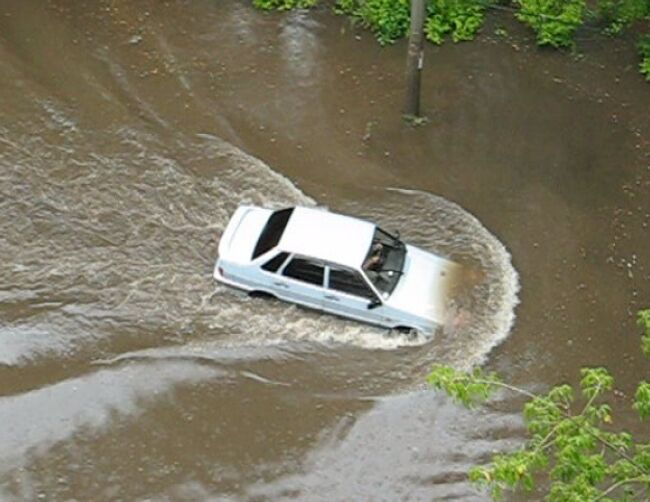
415	59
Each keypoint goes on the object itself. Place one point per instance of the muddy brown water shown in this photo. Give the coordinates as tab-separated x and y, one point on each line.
129	133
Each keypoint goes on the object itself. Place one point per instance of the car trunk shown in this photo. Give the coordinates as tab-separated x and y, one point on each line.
241	234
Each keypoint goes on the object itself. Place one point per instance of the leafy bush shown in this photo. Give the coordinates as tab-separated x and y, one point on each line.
460	18
349	7
619	14
387	19
554	21
644	315
644	51
283	4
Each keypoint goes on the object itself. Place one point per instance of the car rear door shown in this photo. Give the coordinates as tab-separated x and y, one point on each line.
302	280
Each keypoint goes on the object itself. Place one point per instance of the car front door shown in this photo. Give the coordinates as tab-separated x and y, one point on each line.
301	280
348	294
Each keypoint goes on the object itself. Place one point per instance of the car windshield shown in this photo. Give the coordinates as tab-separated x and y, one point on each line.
384	262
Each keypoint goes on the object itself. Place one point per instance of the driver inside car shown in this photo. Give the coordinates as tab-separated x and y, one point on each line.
374	260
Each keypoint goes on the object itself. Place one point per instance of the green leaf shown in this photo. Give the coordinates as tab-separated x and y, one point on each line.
619	14
595	381
642	400
388	19
461	19
283	4
466	388
554	21
643	318
584	459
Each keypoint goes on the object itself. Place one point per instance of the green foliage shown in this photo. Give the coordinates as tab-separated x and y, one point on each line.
619	14
468	389
644	315
283	4
554	21
387	19
642	399
644	68
595	381
542	412
349	7
569	438
509	471
415	121
459	18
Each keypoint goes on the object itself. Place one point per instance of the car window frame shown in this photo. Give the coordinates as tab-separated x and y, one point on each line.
360	275
380	235
272	254
293	256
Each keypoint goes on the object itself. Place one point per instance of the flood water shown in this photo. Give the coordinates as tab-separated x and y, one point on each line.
130	132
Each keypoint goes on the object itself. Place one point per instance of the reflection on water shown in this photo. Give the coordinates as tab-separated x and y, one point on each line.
349	458
42	418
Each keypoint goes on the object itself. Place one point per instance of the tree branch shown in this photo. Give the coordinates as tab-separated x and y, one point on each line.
566	414
640	479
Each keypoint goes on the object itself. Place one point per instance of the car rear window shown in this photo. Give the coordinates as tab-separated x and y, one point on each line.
272	232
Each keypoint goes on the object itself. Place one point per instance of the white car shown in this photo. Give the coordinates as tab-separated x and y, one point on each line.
334	263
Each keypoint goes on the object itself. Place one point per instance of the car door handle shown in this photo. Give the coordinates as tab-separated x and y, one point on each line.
332	297
281	284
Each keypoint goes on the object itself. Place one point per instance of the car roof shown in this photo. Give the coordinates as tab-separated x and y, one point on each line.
326	236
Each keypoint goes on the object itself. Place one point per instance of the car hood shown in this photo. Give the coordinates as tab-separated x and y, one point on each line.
425	286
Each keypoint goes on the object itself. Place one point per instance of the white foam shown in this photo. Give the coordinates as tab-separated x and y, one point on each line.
485	307
134	233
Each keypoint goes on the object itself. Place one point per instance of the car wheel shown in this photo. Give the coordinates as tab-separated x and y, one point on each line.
261	294
406	330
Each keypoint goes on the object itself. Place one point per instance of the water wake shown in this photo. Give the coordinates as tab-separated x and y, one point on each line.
125	242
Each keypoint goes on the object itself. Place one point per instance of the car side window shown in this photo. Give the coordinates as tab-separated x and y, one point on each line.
350	282
306	271
274	263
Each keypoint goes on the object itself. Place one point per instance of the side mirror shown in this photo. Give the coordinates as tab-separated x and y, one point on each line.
374	304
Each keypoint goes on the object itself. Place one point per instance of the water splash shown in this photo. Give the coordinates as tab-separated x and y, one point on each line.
125	241
483	307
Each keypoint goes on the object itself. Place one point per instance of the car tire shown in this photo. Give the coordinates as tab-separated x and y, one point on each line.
406	330
261	294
